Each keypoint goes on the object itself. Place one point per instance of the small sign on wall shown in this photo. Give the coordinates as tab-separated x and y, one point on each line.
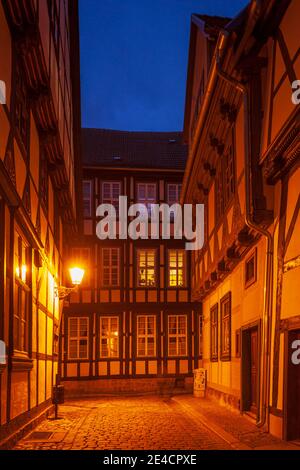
199	383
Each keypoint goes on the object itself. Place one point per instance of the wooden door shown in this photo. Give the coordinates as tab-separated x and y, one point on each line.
253	370
293	388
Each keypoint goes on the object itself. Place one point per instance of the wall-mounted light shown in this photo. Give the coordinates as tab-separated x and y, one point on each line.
76	275
21	272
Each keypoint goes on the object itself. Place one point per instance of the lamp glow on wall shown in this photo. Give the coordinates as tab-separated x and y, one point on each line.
76	275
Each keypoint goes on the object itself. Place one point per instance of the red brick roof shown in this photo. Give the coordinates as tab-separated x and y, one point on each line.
103	147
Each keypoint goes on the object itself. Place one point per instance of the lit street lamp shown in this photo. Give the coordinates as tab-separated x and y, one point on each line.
76	278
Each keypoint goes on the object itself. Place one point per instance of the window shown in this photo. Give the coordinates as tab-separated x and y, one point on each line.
176	268
200	335
21	294
111	191
21	108
177	337
173	195
146	268
87	199
44	182
214	333
110	267
146	335
146	194
78	337
238	343
226	328
225	180
109	337
251	269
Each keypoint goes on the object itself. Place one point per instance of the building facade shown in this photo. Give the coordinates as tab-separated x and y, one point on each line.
132	325
39	170
243	133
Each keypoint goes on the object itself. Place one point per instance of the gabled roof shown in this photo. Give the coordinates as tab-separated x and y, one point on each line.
212	23
123	149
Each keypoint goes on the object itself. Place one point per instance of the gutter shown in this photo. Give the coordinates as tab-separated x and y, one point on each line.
267	314
212	80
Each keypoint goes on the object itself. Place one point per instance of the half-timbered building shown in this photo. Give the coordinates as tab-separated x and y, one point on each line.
39	170
131	326
243	133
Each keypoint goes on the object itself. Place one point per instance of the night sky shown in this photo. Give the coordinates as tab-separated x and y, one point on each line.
134	60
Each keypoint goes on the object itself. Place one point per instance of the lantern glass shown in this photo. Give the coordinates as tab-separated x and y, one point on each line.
76	276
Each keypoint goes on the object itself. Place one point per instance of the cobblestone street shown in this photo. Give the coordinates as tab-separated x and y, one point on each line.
150	423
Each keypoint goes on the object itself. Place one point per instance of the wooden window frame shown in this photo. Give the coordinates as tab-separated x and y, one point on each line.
89	199
146	201
178	335
101	336
78	338
178	192
184	270
226	300
251	281
146	250
214	325
111	200
201	322
110	266
146	336
22	294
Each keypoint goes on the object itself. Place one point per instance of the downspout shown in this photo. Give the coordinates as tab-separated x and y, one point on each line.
267	315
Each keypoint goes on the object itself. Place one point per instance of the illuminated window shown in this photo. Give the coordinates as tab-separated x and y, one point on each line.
176	268
21	294
238	343
214	333
146	268
146	194
109	337
87	198
78	337
251	269
111	191
173	195
226	328
177	335
146	335
110	267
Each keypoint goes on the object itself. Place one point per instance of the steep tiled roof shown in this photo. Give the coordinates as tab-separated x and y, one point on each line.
103	147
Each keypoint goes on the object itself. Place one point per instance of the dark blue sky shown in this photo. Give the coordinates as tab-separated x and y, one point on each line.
134	60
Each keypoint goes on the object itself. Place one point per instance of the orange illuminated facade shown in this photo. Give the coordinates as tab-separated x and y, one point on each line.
39	170
131	326
243	133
